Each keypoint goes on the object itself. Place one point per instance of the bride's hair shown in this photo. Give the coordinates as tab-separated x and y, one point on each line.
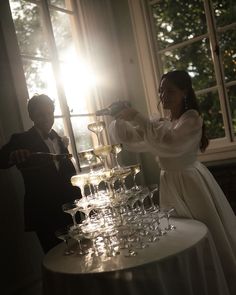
183	81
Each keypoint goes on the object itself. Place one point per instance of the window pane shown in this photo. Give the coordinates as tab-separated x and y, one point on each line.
82	135
225	12
177	21
61	3
77	77
210	108
227	42
232	102
79	81
59	126
62	24
29	30
196	59
39	78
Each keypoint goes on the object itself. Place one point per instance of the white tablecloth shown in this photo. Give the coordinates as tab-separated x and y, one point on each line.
182	262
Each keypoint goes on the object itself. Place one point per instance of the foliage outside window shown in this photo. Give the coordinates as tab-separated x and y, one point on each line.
200	36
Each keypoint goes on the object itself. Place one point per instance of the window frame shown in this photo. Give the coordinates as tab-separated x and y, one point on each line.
55	62
150	65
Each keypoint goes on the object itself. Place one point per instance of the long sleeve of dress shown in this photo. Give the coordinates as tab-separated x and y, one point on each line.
162	137
123	132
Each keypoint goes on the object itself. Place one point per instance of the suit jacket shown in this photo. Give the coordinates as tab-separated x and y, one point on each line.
46	187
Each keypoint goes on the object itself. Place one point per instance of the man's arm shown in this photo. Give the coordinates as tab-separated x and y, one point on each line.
12	153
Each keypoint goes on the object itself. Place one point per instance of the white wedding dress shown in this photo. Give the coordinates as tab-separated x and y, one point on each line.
185	184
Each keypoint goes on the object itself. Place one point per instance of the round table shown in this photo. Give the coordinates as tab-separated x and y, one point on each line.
184	261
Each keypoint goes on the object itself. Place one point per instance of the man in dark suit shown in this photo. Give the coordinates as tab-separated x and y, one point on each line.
46	178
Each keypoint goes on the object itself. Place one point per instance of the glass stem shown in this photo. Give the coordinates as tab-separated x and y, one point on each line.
153	207
67	244
96	189
116	160
82	190
110	188
98	139
134	180
90	166
123	187
80	250
74	220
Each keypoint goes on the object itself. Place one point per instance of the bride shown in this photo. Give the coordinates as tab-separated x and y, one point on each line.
185	183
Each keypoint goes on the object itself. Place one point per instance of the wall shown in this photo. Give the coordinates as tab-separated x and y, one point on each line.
132	76
20	252
225	174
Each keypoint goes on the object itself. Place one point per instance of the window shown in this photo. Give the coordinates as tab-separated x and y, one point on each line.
200	37
50	48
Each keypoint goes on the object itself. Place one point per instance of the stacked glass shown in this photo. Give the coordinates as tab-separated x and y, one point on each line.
115	217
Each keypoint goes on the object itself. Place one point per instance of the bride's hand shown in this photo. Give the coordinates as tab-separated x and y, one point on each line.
127	114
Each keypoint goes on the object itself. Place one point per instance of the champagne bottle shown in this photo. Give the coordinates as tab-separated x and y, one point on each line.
55	157
114	108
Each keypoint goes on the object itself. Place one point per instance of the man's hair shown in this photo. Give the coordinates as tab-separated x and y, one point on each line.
37	100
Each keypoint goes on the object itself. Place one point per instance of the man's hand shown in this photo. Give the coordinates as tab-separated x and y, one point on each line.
19	156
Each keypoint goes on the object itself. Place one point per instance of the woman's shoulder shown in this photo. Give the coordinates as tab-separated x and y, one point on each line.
190	114
192	117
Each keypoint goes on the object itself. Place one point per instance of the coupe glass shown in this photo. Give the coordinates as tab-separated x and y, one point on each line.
167	213
80	180
77	234
102	152
111	243
97	128
95	180
92	232
153	189
87	155
133	198
63	234
125	236
142	195
121	174
135	169
116	149
106	177
86	207
71	208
